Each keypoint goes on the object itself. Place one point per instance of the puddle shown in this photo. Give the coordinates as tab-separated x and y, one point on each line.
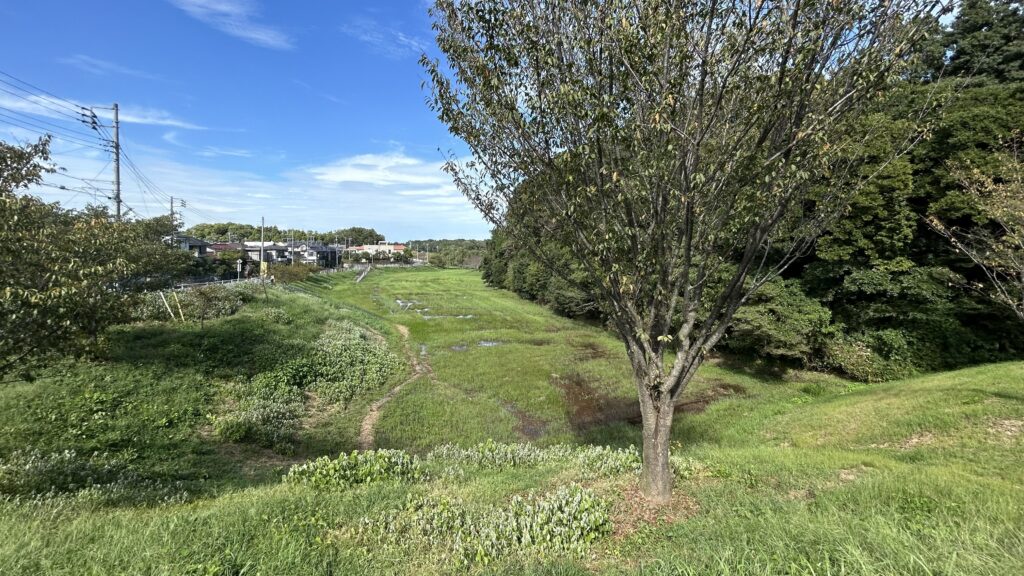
488	343
435	317
460	348
423	349
405	304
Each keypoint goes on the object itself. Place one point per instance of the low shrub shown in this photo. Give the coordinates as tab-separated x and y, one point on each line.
347	360
855	358
32	472
263	411
99	478
357	468
202	302
566	521
600	460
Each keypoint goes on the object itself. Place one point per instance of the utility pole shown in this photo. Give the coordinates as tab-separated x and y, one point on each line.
173	222
262	222
117	168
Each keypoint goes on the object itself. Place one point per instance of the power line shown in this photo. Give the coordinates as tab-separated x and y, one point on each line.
42	131
48	96
30	124
55	126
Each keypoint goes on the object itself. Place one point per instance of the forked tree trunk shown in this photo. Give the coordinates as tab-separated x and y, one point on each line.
656	476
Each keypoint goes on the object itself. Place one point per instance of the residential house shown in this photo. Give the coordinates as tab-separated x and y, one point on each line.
197	247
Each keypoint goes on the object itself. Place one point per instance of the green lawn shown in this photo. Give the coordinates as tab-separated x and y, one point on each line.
781	473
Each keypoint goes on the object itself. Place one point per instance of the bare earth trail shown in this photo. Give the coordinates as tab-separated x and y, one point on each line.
419	368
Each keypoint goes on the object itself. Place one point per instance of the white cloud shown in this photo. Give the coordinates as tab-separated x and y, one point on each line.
214	151
236	18
401	196
103	67
381	170
48	108
385	41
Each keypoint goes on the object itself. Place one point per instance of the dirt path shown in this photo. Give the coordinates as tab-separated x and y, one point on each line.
419	368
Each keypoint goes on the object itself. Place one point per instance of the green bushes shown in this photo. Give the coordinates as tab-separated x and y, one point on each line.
599	460
101	478
346	361
32	472
201	302
357	468
263	411
342	363
566	521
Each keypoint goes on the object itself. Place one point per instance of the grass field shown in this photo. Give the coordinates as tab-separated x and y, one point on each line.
779	472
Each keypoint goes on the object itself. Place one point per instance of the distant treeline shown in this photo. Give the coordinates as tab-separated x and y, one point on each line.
882	294
234	232
451	253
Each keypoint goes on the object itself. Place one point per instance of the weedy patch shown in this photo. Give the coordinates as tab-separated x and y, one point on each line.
595	460
357	468
564	522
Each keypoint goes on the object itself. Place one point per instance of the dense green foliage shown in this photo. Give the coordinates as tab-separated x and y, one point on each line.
449	253
882	294
357	467
67	274
566	521
233	232
343	362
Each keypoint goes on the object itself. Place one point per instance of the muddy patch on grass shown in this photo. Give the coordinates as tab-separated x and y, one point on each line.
1006	430
537	342
527	425
590	351
589	407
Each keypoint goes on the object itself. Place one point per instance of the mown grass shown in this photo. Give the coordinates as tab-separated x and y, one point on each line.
787	473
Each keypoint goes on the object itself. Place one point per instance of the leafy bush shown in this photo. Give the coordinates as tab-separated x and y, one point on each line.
100	478
783	323
566	521
265	411
35	473
357	468
856	359
600	460
347	360
213	301
276	316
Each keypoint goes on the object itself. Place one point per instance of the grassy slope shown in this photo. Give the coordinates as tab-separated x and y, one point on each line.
798	474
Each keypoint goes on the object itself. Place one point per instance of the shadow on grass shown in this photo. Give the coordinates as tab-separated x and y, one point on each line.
236	346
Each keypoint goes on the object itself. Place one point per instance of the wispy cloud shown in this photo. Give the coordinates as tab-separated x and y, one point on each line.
386	41
215	151
236	18
380	170
45	107
103	67
324	95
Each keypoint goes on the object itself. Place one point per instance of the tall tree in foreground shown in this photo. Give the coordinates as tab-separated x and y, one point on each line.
679	149
996	245
66	274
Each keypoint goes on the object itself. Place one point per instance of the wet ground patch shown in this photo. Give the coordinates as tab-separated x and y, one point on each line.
589	407
527	425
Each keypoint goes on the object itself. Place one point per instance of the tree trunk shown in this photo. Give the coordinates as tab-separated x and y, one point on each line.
656	478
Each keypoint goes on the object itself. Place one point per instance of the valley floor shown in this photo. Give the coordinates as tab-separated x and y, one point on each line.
778	472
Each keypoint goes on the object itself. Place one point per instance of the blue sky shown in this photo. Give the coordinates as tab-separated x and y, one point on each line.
307	112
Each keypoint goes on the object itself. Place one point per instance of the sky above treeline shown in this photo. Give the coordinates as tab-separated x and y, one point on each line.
309	113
